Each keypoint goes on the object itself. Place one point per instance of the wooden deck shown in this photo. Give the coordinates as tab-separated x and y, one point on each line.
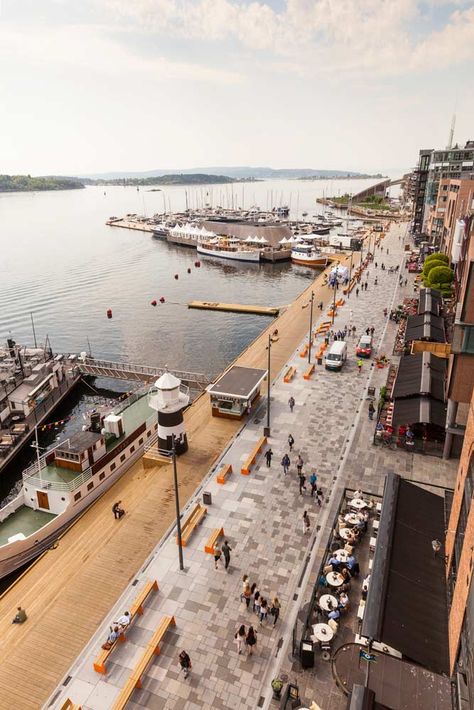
235	308
72	588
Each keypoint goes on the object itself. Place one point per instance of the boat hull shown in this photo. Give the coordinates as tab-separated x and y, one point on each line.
233	256
315	263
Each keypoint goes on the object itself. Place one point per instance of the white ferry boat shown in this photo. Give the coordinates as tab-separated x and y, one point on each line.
307	255
228	249
70	476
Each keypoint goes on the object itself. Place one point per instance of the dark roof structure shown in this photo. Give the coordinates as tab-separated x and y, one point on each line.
425	327
407	600
238	382
79	442
420	374
419	410
430	301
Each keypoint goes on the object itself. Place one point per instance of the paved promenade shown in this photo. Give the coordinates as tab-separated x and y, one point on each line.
262	518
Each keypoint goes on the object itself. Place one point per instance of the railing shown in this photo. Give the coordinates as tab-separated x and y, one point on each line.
33	469
11	508
92	366
38	482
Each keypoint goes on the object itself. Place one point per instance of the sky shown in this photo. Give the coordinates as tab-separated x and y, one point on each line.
89	86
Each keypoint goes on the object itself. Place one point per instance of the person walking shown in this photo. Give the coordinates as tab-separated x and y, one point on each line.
302	482
371	410
357	291
306	522
359	365
256	601
299	464
312	481
285	462
385	312
245	584
263	611
372	331
320	305
319	496
375	282
226	550
240	636
275	610
291	403
185	663
354	331
291	441
217	555
251	640
268	457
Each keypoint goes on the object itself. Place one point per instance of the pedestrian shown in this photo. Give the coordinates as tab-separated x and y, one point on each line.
312	480
226	550
367	285
326	339
291	403
371	410
256	600
263	611
367	331
372	331
185	663
285	462
319	496
20	616
302	481
354	331
245	584
275	610
268	457
117	510
240	636
385	312
321	305
387	251
299	464
383	266
406	281
375	282
376	265
251	640
217	555
306	522
291	441
359	365
357	291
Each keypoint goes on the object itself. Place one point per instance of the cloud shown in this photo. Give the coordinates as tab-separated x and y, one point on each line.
314	36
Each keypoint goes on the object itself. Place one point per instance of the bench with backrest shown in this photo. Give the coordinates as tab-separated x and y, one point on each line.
309	372
152	649
289	374
191	523
304	351
225	471
135	610
69	705
215	535
253	456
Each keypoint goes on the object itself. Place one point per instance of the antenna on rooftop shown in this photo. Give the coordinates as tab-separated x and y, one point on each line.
451	132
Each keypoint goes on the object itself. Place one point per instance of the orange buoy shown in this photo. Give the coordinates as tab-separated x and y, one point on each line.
176	276
109	313
153	303
162	299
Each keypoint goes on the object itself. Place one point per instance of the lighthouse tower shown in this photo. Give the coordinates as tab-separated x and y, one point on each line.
169	397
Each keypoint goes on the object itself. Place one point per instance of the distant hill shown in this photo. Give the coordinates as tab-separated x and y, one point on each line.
236	172
26	183
177	179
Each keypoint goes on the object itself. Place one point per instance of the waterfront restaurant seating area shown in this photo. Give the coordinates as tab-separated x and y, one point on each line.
338	605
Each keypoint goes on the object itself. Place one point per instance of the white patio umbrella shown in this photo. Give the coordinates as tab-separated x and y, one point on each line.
283	241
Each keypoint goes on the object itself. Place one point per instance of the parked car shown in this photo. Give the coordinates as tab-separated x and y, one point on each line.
364	347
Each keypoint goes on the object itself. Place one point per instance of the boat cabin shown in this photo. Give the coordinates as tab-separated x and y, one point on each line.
80	451
234	394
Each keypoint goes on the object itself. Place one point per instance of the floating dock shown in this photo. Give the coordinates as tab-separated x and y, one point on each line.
235	308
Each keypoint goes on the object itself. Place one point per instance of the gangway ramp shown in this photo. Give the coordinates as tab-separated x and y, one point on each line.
142	373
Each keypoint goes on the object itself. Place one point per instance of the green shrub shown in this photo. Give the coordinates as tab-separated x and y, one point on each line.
440	277
439	256
428	265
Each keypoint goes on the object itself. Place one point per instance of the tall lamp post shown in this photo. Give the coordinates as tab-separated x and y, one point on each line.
266	430
350	275
176	497
310	327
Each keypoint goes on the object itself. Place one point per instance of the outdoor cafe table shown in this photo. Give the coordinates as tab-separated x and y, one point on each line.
327	602
345	533
351	519
358	503
334	579
341	555
323	632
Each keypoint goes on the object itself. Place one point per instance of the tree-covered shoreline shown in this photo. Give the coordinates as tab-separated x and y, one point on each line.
26	183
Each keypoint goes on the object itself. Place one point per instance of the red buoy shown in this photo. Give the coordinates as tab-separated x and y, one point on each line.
197	264
109	313
153	303
162	299
176	276
189	271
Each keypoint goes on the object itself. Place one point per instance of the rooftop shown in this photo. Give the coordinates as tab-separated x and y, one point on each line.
238	382
79	442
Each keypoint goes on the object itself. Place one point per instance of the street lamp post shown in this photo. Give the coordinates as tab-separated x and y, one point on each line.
310	327
266	430
176	496
350	275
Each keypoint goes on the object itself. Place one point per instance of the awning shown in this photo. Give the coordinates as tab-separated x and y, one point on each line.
425	327
421	374
430	301
407	603
418	410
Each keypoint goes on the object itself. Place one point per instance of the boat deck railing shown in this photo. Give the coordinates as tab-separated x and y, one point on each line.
47	484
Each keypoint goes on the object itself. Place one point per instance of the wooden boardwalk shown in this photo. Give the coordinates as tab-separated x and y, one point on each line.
73	587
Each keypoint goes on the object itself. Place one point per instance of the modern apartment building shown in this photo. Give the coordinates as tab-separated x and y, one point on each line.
421	177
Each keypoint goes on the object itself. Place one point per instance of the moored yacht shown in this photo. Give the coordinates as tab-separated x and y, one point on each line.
307	255
228	249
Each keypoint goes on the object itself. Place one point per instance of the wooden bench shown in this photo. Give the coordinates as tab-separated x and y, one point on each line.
253	456
152	649
225	471
304	351
216	534
340	302
309	372
289	374
135	610
191	523
69	705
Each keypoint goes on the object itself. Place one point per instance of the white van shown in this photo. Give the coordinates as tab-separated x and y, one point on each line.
336	355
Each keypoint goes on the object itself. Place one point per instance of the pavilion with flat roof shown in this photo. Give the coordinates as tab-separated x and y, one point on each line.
235	392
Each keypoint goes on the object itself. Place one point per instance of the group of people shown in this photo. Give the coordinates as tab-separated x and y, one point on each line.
116	629
260	605
224	551
313	479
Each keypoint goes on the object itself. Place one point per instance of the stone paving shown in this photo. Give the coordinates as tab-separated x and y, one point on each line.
262	518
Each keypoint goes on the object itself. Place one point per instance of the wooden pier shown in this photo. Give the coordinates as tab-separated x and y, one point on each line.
235	308
72	588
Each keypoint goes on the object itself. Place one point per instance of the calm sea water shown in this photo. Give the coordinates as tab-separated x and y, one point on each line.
59	261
